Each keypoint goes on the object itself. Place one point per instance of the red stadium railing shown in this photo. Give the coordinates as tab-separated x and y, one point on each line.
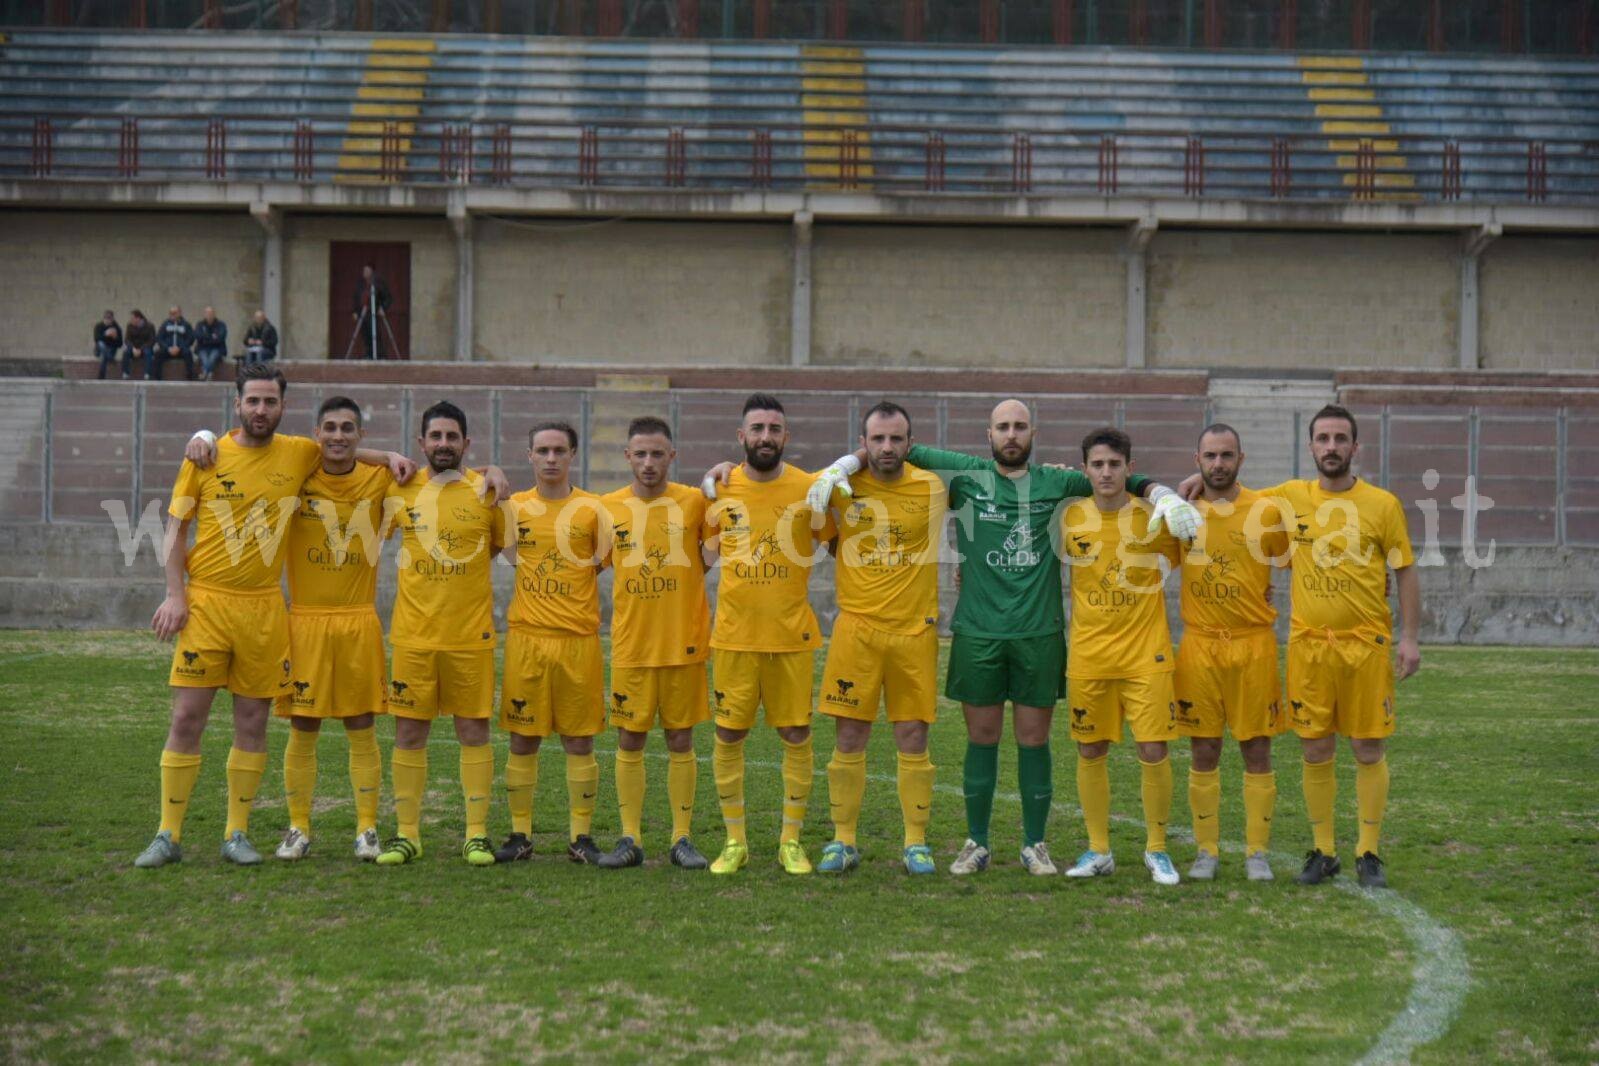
176	146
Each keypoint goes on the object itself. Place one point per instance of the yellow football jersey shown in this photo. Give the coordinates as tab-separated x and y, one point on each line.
1226	575
557	563
888	540
242	507
763	532
335	538
659	616
1118	627
1343	545
445	599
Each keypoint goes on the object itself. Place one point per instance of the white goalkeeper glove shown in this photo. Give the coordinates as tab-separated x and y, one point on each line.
835	476
1180	517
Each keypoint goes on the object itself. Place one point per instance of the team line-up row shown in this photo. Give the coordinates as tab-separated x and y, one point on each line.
257	500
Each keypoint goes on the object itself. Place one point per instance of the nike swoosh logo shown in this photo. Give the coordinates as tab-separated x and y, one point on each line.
796	799
921	806
588	795
1202	817
174	801
690	807
367	790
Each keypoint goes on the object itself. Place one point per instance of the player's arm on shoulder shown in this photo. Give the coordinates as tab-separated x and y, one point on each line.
1179	516
832	481
173	613
944	463
401	468
717	477
201	449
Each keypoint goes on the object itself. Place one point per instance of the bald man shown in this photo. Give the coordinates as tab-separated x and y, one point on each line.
1009	625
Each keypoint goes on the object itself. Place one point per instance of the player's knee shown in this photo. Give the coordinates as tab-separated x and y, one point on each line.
1097	750
1257	755
523	745
794	734
1367	750
360	721
1151	751
1206	753
851	735
411	733
679	740
910	737
578	745
627	740
472	731
730	736
311	725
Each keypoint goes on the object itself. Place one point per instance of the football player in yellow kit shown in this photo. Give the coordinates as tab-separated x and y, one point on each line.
1119	667
766	635
554	668
660	637
1227	662
442	630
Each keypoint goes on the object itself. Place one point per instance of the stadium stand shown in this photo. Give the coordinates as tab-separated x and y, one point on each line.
922	120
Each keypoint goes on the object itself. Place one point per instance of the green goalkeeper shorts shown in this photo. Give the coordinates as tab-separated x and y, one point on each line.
1026	670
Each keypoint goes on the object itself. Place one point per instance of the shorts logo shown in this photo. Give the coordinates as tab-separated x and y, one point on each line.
719	696
843	696
188	669
1160	658
190	656
300	687
399	688
1078	714
518	705
617	701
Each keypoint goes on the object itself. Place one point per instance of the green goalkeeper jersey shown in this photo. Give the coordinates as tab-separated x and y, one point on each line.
1005	529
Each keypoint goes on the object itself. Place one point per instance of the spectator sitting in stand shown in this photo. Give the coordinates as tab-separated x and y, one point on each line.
174	340
140	343
210	342
260	340
107	341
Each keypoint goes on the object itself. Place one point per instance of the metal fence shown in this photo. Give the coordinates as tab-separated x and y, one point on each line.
178	145
1535	472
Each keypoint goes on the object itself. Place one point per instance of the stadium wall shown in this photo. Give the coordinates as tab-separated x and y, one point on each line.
717	293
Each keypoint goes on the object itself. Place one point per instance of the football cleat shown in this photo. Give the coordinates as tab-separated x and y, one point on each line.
1257	868
838	857
971	859
687	856
1318	868
626	853
162	850
478	851
1368	868
1092	864
1036	860
583	850
791	856
238	850
1204	867
919	860
367	847
516	848
295	846
397	851
735	855
1161	870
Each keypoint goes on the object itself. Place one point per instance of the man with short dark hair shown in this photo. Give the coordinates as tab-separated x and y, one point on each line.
442	631
174	340
660	637
107	341
210	342
554	678
140	338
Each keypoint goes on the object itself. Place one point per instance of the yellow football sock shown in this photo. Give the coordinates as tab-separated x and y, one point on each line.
521	778
477	783
299	778
1204	800
728	766
682	778
630	792
799	773
846	787
1156	777
178	775
366	776
1093	795
244	777
408	770
1260	799
582	785
1371	797
1321	793
916	775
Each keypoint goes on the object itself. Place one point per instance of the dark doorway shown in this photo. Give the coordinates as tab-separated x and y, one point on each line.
392	260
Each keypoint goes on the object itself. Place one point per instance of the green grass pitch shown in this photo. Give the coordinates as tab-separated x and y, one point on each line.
1486	949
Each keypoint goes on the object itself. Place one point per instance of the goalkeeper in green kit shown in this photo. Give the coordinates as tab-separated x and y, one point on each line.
1009	626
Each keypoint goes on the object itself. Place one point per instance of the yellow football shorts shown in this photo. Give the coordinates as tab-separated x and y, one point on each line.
1099	706
338	663
427	683
865	663
676	696
744	681
553	684
1228	679
1341	684
236	640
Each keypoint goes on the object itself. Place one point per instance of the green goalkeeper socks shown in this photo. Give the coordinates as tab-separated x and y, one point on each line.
981	773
